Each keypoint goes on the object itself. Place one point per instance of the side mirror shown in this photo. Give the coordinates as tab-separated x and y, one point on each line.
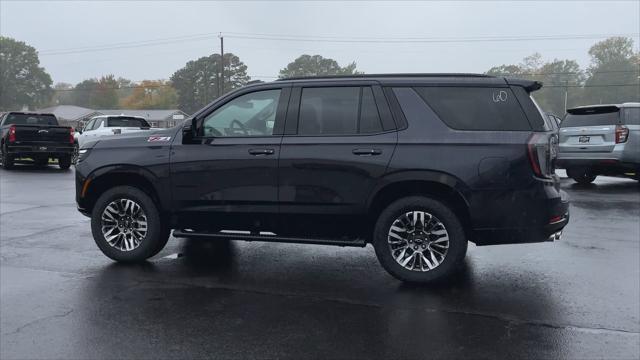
189	131
79	130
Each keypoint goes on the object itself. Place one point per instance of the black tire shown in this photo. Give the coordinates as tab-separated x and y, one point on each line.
457	240
157	233
7	159
581	175
64	162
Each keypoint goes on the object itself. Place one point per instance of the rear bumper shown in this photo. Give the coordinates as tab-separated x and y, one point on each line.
599	166
536	221
522	235
40	149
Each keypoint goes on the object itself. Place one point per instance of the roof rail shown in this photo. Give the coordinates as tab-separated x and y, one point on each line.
370	76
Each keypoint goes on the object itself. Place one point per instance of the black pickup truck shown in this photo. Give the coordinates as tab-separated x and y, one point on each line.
36	136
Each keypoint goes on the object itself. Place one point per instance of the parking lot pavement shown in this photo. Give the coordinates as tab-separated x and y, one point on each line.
61	298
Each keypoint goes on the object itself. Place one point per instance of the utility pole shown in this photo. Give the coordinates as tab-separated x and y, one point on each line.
221	78
566	94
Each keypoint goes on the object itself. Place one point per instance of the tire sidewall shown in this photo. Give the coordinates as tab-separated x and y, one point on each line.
457	239
7	159
151	244
64	162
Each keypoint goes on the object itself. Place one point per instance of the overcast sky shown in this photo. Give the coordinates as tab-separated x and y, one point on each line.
72	36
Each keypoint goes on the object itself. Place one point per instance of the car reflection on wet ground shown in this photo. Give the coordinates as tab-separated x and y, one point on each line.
61	298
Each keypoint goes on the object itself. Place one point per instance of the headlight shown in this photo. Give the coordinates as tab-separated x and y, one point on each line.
83	154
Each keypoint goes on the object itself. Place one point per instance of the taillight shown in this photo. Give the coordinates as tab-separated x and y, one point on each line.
622	133
542	150
12	133
71	135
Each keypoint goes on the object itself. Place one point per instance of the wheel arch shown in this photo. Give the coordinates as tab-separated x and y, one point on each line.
440	186
102	179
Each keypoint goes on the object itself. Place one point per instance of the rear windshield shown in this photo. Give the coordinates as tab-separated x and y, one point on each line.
30	119
575	120
477	108
127	122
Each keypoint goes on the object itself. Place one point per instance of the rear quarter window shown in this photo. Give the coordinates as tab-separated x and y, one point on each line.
477	108
632	116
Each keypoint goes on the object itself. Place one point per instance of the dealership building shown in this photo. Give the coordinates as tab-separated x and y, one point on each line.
71	115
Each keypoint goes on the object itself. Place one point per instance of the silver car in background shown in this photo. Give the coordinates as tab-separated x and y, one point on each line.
600	140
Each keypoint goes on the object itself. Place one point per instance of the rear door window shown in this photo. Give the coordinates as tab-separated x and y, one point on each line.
476	108
338	111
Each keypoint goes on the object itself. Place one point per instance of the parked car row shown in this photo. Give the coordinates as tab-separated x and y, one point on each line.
38	136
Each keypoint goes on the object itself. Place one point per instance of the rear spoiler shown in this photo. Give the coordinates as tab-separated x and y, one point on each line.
529	85
586	110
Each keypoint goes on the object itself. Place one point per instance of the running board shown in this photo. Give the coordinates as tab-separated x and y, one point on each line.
269	238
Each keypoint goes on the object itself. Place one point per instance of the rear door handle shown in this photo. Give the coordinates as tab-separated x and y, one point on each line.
367	152
261	151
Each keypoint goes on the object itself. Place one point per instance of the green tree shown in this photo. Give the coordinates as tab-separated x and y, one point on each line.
83	93
62	94
559	78
106	93
197	82
22	81
151	94
316	65
613	76
97	93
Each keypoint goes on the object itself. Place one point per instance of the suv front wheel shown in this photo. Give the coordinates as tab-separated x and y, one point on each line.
419	239
126	225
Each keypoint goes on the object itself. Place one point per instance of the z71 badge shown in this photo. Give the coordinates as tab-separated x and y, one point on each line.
158	138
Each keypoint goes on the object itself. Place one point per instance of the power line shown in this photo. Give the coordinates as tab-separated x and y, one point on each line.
428	40
311	38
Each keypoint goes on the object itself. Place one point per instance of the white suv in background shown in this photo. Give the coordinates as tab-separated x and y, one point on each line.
106	125
600	140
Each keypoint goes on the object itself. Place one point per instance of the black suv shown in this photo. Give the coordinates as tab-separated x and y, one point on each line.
416	165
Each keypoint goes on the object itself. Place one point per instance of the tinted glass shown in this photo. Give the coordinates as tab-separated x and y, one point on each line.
369	115
574	120
476	108
329	111
252	114
126	122
30	119
632	116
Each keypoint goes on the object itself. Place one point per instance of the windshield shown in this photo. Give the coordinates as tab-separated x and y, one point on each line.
30	119
127	122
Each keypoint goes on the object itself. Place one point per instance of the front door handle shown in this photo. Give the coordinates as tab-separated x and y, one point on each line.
261	151
367	152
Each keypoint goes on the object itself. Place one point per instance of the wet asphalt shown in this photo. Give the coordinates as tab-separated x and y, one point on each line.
61	298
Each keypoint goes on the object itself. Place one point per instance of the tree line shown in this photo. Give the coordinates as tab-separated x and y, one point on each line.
612	76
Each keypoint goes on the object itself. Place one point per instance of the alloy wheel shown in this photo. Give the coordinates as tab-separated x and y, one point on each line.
418	241
124	224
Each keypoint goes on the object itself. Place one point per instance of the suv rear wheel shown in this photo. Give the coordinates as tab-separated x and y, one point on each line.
126	225
581	175
419	239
